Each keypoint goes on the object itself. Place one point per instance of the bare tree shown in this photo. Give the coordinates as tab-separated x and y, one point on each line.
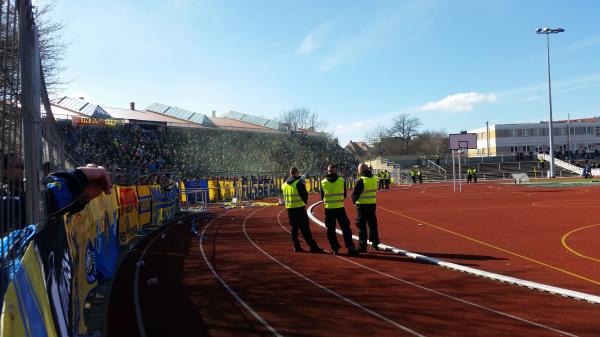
303	118
432	142
377	134
52	45
406	128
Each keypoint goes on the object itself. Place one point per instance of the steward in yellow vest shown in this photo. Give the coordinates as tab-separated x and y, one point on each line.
365	198
295	198
386	180
333	193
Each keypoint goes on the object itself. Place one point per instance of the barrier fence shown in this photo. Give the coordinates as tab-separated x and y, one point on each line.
47	295
46	299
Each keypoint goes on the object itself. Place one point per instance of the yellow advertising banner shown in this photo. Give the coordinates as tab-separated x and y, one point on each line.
144	205
183	195
128	213
212	190
96	121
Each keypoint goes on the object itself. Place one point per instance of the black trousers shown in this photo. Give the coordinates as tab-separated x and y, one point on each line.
339	215
298	219
365	214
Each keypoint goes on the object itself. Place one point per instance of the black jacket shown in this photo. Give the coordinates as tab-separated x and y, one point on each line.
359	186
331	178
301	188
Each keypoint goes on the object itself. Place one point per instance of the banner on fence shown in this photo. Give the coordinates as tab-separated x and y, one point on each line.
26	310
155	191
128	213
104	216
144	205
81	235
59	272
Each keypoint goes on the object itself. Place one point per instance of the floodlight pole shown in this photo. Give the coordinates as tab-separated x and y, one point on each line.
549	31
459	174
453	172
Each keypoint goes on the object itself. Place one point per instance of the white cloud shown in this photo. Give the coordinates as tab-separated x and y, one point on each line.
358	124
316	37
307	46
459	102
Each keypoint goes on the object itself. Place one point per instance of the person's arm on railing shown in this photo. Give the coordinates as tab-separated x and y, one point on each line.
71	191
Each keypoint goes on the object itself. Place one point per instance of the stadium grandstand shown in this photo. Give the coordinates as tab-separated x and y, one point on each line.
163	137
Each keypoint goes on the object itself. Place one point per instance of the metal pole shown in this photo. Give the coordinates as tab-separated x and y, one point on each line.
459	174
569	134
551	133
487	137
29	56
453	172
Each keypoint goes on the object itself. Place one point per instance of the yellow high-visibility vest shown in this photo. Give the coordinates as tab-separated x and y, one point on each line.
333	193
291	196
368	195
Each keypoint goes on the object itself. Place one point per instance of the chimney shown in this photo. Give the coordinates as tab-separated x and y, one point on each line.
131	105
81	98
214	113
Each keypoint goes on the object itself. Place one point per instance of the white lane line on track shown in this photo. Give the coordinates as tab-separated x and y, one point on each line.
136	288
501	313
493	276
228	288
322	287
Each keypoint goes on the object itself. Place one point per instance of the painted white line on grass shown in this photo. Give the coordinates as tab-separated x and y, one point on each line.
322	287
228	288
493	276
501	313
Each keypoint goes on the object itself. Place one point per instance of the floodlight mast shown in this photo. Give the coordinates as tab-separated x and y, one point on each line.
547	31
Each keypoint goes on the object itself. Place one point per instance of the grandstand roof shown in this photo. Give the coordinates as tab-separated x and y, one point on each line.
182	114
256	120
233	123
63	113
147	116
82	107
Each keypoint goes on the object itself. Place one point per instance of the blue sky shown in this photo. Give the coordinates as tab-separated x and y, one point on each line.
454	64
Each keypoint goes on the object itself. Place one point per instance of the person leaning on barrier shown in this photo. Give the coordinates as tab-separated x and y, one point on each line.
333	193
71	191
364	196
295	198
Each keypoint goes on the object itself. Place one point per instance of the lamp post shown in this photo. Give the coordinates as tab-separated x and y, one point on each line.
549	31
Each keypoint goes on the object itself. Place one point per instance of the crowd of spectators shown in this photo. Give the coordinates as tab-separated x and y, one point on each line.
133	149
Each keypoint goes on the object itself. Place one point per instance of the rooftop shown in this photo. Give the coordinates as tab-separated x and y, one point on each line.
256	120
81	107
181	114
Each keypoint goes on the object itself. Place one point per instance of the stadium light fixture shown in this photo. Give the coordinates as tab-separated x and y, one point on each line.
547	31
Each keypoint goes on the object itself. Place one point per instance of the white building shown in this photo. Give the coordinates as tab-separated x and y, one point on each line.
583	134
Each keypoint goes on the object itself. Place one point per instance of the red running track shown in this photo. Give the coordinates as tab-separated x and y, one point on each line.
259	287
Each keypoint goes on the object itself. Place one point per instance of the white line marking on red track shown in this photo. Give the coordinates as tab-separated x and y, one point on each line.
228	288
501	313
369	311
136	287
492	276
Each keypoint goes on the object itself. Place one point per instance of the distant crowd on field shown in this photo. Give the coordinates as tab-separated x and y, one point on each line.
566	155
